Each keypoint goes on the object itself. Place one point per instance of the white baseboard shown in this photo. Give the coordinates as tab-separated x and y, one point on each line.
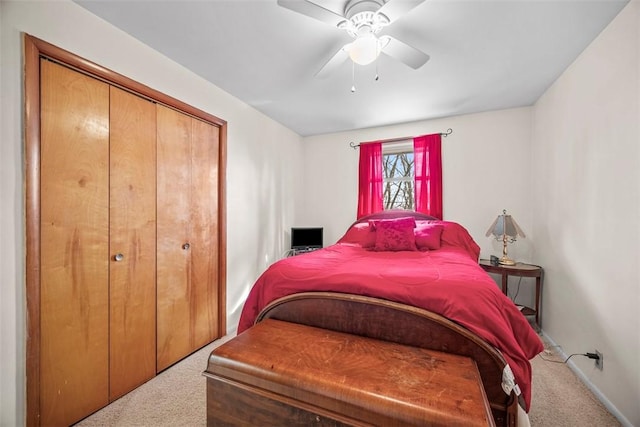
601	397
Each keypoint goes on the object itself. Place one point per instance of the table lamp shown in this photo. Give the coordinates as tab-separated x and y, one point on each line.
506	229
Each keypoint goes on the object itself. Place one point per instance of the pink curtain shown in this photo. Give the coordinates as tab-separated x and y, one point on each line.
428	174
370	179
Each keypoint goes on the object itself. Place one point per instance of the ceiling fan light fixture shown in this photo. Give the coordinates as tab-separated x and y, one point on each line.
365	49
363	20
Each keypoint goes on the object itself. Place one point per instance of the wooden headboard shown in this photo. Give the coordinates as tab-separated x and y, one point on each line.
395	213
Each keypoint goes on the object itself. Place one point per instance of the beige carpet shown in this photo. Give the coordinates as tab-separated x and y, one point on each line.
177	398
560	398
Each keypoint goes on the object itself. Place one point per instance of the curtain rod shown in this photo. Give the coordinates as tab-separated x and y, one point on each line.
444	134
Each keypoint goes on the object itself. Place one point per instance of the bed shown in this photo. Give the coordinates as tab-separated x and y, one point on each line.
421	287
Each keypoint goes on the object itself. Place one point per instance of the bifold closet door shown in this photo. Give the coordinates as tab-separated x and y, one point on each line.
74	251
132	256
187	235
98	230
204	231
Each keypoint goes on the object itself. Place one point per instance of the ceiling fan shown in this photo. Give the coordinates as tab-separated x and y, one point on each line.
363	20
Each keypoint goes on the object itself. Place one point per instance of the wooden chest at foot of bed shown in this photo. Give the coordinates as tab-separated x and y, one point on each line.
280	373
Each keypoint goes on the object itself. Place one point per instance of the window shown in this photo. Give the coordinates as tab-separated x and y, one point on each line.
398	176
405	175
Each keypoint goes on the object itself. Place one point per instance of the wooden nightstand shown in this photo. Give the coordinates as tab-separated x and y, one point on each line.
521	270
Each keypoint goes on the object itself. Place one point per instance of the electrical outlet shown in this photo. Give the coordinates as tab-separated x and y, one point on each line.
599	360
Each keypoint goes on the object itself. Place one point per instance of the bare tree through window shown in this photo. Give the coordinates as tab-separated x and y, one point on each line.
398	180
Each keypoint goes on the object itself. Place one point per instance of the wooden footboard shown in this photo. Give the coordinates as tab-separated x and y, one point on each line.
403	324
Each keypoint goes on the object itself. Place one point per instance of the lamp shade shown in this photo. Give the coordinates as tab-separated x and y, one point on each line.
505	225
505	228
365	49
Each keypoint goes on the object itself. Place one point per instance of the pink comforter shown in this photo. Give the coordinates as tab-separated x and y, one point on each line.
447	281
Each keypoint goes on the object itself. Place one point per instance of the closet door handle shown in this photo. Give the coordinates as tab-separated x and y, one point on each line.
118	257
186	246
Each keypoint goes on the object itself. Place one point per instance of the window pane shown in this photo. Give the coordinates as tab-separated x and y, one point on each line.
398	181
398	165
398	195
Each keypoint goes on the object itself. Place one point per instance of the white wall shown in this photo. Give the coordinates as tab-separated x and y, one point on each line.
586	157
486	168
263	176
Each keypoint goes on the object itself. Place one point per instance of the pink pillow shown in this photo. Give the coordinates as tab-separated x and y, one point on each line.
404	221
360	234
355	234
428	236
395	234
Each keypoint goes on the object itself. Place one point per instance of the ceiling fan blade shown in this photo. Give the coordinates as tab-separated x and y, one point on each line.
394	9
333	63
401	51
312	10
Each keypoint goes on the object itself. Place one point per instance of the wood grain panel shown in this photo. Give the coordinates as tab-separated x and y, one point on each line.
133	234
203	322
173	201
74	224
229	405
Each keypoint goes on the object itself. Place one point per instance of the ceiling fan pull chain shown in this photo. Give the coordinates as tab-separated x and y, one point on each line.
377	76
353	77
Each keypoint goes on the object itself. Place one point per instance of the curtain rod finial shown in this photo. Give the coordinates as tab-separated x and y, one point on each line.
353	145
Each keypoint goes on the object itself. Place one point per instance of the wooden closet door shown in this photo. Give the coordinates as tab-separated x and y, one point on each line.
204	233
132	255
173	254
74	223
187	235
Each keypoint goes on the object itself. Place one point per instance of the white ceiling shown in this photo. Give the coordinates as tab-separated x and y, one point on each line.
485	55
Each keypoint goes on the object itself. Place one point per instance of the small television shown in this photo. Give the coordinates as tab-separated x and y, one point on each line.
306	238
